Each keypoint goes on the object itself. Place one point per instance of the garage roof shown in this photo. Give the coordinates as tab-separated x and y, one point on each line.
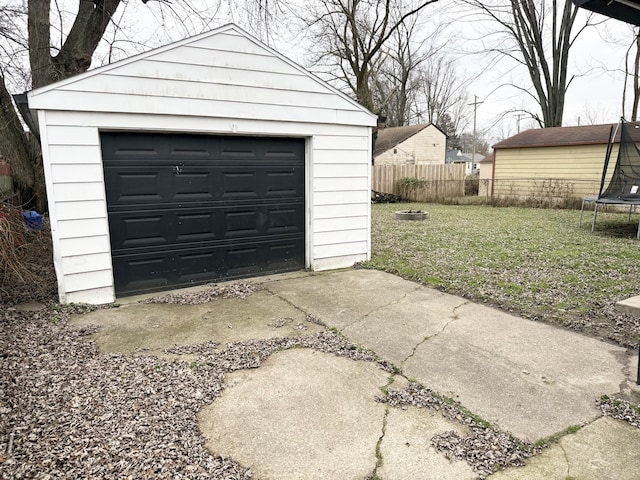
625	10
563	136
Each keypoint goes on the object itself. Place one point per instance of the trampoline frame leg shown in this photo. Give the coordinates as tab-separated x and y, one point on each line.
595	216
581	212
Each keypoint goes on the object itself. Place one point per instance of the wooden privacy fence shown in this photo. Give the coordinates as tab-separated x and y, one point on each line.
433	181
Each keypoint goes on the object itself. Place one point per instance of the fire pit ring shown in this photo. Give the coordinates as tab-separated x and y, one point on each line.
412	215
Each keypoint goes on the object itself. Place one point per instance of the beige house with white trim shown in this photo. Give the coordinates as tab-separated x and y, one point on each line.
423	144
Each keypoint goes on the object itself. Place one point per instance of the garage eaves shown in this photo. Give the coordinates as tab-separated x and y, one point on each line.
624	10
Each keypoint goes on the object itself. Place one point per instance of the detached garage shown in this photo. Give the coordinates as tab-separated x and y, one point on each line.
209	159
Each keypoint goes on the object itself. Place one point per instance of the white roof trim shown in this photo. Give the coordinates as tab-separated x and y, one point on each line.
187	41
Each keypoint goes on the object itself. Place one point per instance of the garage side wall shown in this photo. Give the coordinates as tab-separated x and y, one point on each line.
555	173
337	204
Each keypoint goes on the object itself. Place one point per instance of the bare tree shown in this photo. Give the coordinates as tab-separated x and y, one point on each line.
631	73
538	35
396	83
443	98
350	36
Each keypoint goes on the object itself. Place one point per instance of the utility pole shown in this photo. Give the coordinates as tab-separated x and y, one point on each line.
475	110
519	116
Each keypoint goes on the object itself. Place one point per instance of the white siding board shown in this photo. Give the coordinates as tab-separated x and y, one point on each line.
87	263
80	210
341	142
152	87
70	247
340	211
213	57
68	192
162	70
340	249
341	197
338	156
88	280
75	153
332	263
84	227
73	135
340	237
92	296
81	173
231	43
339	184
338	224
340	170
104	102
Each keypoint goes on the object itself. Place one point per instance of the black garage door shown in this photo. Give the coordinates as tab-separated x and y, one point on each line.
189	209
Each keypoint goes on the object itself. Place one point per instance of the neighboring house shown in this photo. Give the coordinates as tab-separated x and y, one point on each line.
211	158
423	144
557	162
471	161
486	176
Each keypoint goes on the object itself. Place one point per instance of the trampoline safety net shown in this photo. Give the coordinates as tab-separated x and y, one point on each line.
624	185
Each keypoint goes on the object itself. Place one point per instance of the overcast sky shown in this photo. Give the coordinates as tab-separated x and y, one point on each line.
594	95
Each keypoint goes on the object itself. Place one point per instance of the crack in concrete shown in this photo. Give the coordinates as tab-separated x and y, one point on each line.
379	458
296	307
566	459
452	319
392	302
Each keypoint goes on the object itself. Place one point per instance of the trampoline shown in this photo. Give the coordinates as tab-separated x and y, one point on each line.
623	188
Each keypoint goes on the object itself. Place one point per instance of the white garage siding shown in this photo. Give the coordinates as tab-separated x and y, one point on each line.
220	83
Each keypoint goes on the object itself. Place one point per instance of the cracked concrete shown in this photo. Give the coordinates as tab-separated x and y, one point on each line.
151	328
512	372
306	414
425	339
407	451
302	414
488	360
606	448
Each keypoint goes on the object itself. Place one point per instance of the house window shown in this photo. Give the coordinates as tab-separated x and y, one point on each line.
395	150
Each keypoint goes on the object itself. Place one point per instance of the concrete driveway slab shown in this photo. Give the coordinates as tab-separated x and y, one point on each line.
302	414
394	330
154	327
407	451
512	372
306	414
607	448
344	297
519	374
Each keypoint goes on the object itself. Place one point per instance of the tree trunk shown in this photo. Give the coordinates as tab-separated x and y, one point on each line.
22	154
22	149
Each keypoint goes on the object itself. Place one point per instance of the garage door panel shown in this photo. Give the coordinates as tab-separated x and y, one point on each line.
194	186
148	272
187	209
161	184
